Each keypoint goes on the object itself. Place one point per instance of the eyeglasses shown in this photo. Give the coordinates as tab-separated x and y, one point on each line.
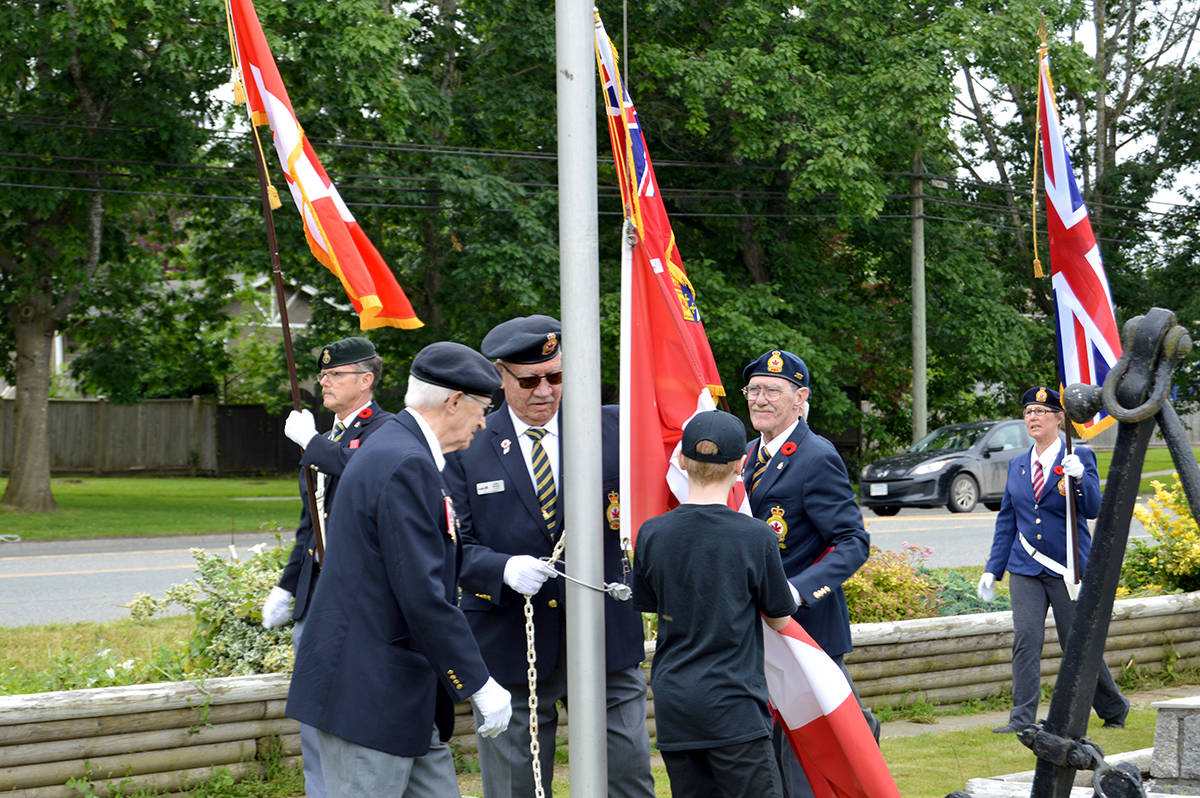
770	391
1039	411
335	375
535	380
487	405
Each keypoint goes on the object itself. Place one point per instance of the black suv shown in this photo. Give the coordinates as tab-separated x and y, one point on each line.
958	466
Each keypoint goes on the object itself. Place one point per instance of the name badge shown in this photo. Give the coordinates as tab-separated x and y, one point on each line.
484	488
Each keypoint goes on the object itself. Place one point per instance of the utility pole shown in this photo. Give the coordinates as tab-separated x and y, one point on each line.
919	408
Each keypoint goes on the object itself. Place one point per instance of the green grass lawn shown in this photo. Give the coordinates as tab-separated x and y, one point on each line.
93	507
1157	459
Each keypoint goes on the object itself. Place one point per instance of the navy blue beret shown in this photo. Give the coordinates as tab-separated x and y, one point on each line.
455	366
525	339
345	351
1041	395
778	363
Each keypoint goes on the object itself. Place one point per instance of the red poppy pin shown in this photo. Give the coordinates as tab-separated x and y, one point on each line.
1058	470
365	413
787	449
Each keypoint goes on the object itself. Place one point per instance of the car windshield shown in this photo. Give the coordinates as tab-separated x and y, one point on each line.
949	439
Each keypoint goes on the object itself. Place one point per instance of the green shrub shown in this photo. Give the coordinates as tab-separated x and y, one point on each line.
226	599
892	586
957	596
1172	563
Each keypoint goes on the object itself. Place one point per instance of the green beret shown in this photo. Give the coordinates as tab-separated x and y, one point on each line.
345	351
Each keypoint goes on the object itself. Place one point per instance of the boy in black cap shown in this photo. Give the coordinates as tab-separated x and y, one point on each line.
710	692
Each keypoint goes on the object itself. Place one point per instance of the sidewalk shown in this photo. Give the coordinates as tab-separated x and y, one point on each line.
944	723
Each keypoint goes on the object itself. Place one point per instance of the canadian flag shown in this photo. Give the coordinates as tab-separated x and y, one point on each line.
668	374
333	234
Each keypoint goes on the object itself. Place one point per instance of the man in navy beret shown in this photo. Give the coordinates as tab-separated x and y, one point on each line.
348	372
798	485
506	486
386	651
1030	542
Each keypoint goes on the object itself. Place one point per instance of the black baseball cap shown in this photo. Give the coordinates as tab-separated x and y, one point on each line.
723	429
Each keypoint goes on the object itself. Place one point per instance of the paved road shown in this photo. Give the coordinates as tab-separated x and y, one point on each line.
75	580
93	580
957	539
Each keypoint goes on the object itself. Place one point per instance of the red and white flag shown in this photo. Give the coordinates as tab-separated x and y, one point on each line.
1089	342
668	374
333	234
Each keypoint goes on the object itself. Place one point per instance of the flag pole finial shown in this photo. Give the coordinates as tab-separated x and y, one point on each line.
1043	34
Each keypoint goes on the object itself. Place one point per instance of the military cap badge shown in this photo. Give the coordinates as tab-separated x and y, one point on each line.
1041	394
550	345
775	362
325	356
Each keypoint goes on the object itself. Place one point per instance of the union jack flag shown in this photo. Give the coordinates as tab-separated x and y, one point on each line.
1089	342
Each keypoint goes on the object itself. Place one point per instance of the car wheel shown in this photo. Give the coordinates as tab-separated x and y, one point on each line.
885	509
993	506
964	494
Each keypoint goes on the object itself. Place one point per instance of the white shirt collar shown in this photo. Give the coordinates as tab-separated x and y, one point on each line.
520	426
346	421
435	448
774	444
1047	457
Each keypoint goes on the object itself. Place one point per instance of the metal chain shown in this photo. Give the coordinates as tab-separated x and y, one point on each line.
535	746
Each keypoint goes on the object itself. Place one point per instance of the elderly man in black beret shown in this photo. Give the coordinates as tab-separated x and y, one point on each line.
348	372
387	652
507	488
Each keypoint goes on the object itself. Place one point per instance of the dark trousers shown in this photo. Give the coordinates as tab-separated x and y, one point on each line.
741	770
1031	597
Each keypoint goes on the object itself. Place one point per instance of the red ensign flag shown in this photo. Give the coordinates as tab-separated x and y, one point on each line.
334	236
668	374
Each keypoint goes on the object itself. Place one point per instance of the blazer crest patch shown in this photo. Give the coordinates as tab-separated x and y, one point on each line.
613	511
779	525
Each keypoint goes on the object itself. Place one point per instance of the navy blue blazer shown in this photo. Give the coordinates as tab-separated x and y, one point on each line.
501	517
299	576
1043	519
806	497
386	652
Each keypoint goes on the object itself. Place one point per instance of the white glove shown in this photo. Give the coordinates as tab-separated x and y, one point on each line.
796	595
1072	466
987	587
300	427
277	609
494	703
526	574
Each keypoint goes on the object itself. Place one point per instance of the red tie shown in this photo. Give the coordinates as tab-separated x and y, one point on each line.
1038	478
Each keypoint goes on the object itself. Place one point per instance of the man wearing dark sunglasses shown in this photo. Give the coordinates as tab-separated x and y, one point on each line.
507	490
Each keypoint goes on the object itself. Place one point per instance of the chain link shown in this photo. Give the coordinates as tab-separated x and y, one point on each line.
535	747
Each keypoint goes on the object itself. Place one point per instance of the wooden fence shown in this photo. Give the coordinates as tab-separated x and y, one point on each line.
164	736
161	436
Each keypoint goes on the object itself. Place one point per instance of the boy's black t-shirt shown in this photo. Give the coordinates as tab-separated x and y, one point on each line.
708	572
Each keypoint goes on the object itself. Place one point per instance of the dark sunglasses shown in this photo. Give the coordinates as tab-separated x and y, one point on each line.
536	380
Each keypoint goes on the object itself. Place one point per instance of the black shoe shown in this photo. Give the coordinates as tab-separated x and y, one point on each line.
1117	722
1006	729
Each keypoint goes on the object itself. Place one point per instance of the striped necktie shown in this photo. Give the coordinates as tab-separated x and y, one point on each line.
339	429
1039	479
760	466
543	478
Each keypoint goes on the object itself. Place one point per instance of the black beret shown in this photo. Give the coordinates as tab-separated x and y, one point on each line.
778	363
525	339
724	429
457	367
1041	395
345	351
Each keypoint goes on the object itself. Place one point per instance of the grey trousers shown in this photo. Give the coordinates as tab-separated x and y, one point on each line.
314	781
355	771
1031	597
795	781
507	766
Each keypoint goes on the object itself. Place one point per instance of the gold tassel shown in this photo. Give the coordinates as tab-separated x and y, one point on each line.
1037	269
239	93
273	198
